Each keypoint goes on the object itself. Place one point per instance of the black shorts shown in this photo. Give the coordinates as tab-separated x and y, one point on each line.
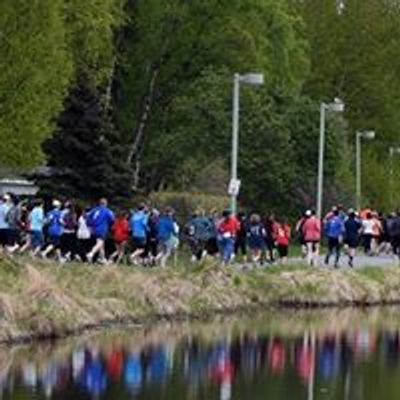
212	246
14	237
352	243
283	251
139	243
4	237
54	241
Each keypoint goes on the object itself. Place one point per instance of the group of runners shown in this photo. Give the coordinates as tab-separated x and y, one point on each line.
147	236
373	231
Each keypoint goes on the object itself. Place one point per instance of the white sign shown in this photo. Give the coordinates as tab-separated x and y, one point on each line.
234	187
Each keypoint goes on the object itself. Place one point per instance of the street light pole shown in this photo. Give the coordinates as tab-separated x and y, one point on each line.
235	138
338	107
321	159
358	170
368	135
252	80
392	152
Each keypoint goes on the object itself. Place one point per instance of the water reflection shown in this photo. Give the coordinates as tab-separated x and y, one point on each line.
242	364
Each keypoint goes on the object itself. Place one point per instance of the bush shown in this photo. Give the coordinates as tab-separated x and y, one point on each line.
185	203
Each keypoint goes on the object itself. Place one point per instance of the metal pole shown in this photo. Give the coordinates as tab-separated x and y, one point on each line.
321	161
235	138
358	170
391	152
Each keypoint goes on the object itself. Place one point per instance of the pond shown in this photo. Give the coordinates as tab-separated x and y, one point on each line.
280	354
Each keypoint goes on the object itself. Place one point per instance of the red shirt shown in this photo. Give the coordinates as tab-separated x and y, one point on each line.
120	230
229	226
282	234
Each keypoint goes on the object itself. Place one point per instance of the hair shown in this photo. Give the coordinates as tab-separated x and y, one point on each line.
336	212
255	219
226	213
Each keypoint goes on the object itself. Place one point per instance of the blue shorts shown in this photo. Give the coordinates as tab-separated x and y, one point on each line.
100	235
37	239
256	243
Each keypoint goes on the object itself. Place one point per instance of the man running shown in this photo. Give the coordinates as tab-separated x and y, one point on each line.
334	228
352	228
100	220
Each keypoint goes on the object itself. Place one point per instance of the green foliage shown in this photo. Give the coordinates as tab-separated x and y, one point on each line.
165	68
35	71
354	55
186	203
85	155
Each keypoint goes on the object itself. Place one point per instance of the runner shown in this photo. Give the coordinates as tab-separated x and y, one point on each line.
35	223
312	237
368	232
13	218
352	235
300	236
68	238
227	230
100	220
282	239
168	236
55	229
334	229
139	230
393	230
198	233
83	236
241	239
256	237
120	234
5	206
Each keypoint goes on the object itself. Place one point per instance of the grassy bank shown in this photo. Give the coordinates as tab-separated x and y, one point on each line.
40	299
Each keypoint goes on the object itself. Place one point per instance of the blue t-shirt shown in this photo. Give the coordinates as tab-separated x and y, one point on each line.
37	219
4	208
166	228
100	220
54	220
139	224
334	227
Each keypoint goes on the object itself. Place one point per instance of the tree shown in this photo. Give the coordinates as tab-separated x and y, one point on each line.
85	157
354	56
171	43
35	72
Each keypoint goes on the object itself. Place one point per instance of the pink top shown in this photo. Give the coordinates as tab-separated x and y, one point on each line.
312	230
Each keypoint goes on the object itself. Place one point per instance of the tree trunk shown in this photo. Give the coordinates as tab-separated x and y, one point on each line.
141	127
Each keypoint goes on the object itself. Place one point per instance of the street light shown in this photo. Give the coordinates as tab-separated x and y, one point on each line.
252	80
336	107
392	152
366	135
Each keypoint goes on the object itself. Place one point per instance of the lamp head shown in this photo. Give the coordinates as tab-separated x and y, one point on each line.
369	135
253	79
337	105
394	150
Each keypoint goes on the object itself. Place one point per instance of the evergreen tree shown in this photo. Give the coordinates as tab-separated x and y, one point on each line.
85	158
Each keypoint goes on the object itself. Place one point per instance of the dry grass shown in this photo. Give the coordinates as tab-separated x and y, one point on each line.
41	299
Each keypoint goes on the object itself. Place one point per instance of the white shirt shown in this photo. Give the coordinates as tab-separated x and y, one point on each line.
368	227
83	230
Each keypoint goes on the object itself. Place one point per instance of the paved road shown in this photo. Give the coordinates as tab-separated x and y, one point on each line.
361	260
